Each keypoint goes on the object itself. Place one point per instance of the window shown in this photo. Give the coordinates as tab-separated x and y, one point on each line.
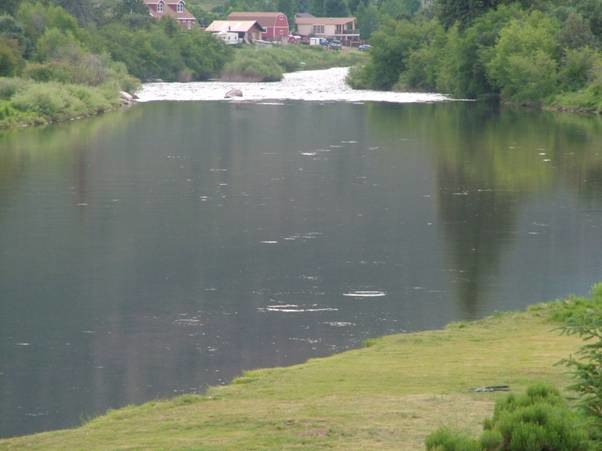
181	7
160	7
339	29
318	29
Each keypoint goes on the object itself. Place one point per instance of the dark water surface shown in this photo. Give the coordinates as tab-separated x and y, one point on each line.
150	253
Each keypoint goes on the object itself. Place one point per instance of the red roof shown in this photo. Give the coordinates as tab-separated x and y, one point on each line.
265	18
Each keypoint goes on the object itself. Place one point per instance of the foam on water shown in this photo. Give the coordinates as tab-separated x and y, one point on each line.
316	85
365	294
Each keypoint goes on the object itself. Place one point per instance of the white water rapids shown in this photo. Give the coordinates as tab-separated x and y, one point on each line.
315	85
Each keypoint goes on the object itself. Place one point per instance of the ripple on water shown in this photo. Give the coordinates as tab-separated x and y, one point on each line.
365	294
295	308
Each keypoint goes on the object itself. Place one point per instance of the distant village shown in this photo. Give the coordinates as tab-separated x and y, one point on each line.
266	26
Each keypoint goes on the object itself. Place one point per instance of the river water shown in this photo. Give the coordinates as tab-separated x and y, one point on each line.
159	250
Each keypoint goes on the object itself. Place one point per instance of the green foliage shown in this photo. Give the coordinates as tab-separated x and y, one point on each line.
11	29
367	18
11	61
268	64
9	87
49	102
524	65
584	319
250	68
462	12
538	420
36	18
151	53
335	8
445	439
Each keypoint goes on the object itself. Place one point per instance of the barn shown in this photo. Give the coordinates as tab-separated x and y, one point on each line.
275	23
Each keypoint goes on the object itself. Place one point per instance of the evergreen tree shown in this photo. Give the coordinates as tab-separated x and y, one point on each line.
335	8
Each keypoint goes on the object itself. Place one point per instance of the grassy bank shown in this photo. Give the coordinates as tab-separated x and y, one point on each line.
389	394
26	102
252	63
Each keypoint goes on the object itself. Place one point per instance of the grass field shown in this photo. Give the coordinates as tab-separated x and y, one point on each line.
387	395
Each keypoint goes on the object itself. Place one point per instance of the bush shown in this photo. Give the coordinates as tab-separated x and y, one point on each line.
247	68
585	320
10	86
11	61
55	102
538	420
447	440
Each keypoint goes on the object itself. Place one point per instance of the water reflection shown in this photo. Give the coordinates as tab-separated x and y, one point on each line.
157	251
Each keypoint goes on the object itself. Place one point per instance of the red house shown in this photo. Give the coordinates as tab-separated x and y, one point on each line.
275	23
171	8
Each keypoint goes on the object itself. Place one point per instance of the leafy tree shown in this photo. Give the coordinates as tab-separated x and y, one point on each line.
335	8
587	366
11	61
9	6
524	65
37	17
393	43
83	10
575	32
131	7
399	8
465	11
367	18
316	7
11	29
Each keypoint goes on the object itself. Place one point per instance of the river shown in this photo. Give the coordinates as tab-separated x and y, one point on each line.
159	250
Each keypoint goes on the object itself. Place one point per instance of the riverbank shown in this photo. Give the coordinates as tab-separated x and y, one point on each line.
388	395
257	64
26	103
327	85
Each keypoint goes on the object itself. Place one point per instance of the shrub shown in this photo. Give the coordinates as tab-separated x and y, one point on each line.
10	86
585	320
246	67
54	101
447	440
11	61
538	420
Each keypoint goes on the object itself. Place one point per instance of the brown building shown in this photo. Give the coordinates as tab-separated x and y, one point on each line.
171	8
341	28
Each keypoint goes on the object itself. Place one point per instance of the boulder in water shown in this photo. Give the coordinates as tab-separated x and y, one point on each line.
233	93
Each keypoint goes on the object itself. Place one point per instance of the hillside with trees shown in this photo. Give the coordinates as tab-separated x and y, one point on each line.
63	59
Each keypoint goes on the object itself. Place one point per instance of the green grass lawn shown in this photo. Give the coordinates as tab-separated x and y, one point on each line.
387	395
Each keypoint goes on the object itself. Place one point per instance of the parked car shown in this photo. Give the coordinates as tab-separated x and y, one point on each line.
335	44
293	39
324	42
364	47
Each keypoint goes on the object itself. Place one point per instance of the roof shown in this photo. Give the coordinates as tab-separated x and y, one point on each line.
167	2
170	10
265	18
323	20
237	26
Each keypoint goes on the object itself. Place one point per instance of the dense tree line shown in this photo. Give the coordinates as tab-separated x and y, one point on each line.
529	52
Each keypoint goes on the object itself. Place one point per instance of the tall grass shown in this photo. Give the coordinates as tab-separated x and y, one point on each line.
26	102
